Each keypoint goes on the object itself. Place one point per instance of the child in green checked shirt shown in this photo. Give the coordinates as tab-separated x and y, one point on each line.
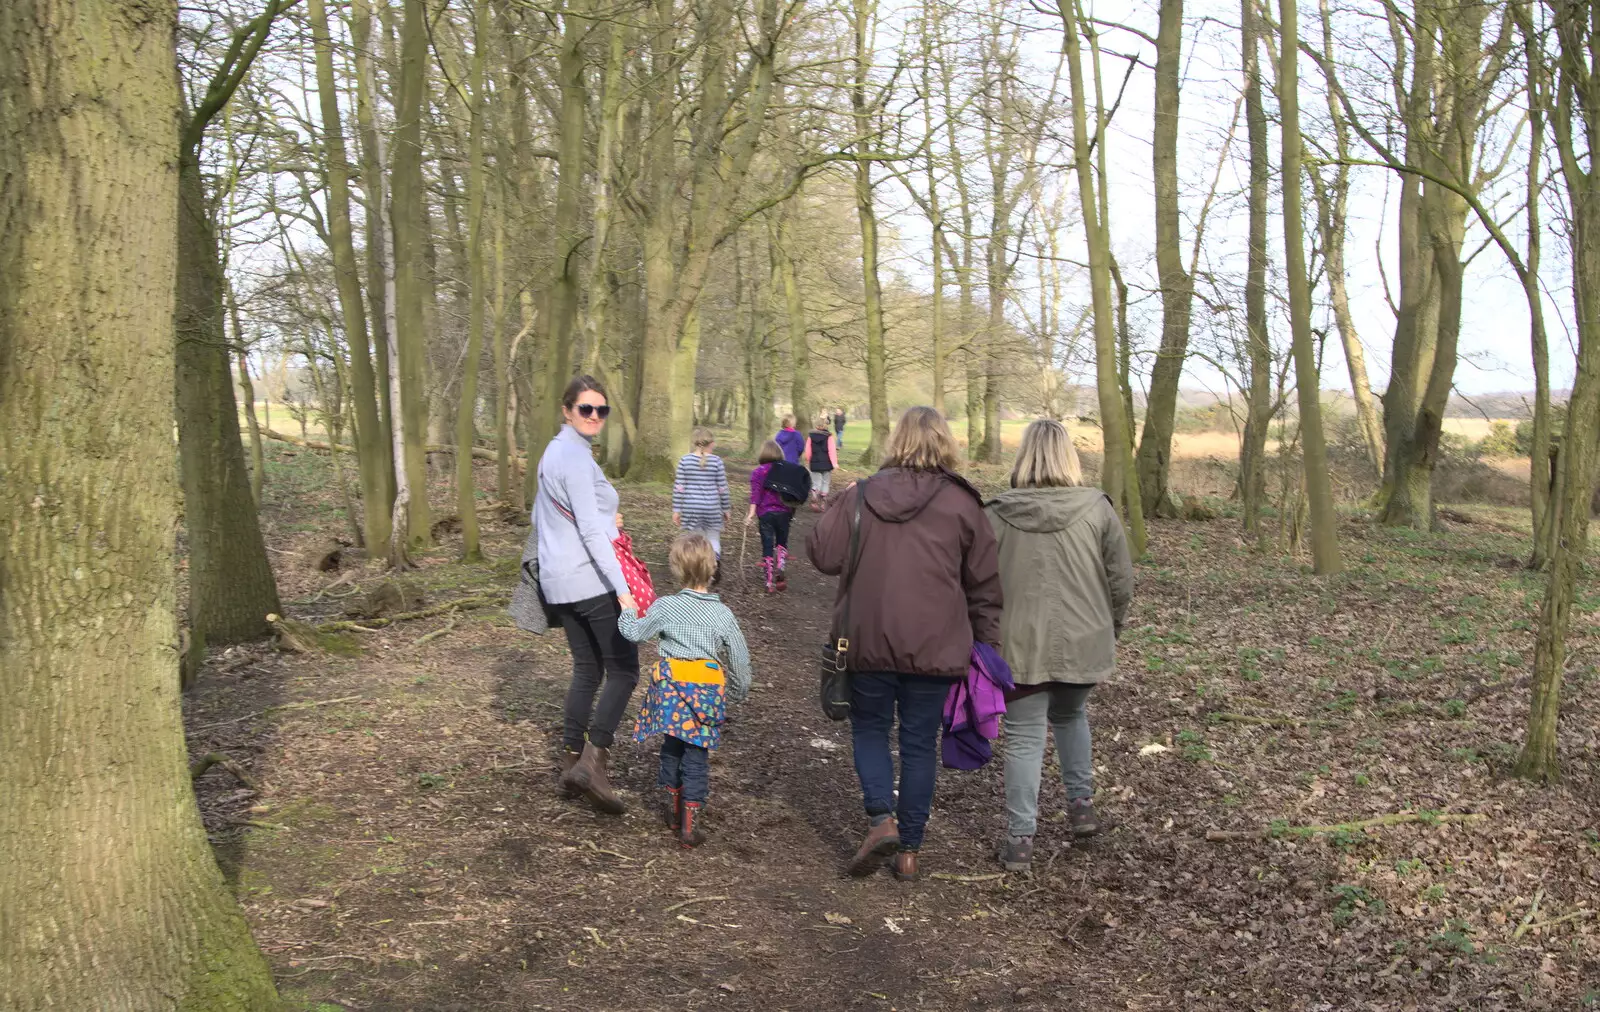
690	689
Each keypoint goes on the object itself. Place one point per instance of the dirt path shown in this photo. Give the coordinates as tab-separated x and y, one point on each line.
407	849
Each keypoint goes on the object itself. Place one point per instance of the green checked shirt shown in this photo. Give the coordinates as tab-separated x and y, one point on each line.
695	626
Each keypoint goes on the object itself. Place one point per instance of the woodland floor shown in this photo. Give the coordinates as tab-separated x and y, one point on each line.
407	850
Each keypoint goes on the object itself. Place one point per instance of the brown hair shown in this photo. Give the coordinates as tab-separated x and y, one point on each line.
693	561
921	441
770	453
787	423
1046	458
579	384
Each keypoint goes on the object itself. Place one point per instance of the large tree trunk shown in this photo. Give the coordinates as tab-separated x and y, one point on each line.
231	588
1177	287
1463	85
372	453
722	144
411	271
112	897
1313	448
1258	419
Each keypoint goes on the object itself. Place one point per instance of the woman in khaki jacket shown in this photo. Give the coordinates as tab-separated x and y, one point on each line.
1067	581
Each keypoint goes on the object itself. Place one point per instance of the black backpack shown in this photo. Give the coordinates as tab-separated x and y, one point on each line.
789	482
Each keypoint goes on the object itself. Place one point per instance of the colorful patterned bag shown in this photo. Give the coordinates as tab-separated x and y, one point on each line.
686	699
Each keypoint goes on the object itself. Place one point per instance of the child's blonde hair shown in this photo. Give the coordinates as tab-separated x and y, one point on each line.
787	423
822	420
703	440
693	561
770	453
1046	458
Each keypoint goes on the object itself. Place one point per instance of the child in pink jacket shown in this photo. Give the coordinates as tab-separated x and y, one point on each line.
821	455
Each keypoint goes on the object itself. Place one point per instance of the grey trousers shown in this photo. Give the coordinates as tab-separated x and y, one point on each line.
1063	707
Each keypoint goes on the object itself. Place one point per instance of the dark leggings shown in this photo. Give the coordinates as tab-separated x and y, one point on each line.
604	663
774	531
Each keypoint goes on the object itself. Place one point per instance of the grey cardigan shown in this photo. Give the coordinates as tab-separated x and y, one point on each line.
576	560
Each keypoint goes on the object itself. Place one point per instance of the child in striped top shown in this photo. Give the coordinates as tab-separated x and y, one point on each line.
700	499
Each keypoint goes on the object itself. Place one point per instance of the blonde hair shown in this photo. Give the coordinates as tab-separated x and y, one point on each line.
770	453
693	561
787	423
702	439
921	441
1046	458
822	420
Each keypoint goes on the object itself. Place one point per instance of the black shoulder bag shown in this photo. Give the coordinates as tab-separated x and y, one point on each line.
834	690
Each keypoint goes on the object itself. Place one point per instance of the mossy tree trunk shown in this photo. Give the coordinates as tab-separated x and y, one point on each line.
111	895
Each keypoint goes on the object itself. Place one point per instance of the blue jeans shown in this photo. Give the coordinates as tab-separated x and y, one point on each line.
873	698
687	766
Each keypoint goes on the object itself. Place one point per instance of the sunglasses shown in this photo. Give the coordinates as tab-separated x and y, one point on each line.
600	411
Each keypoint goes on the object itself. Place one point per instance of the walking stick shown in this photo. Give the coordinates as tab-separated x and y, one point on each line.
744	543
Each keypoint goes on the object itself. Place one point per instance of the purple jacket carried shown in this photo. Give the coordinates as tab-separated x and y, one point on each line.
973	709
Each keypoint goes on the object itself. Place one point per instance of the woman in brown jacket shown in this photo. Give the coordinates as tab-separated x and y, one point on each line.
925	585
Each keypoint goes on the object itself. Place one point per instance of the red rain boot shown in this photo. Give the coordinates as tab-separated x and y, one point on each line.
690	836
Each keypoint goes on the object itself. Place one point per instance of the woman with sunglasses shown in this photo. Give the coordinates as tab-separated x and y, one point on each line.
576	515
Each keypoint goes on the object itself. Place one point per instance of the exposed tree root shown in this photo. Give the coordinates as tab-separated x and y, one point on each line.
369	625
1396	819
306	705
210	759
430	637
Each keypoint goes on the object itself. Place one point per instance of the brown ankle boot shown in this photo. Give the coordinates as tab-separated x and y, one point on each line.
882	840
672	811
569	759
589	776
689	834
904	866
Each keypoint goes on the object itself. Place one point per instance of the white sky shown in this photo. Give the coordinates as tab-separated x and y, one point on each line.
1494	344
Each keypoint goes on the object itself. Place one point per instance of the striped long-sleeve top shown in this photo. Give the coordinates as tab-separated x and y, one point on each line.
694	625
700	491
